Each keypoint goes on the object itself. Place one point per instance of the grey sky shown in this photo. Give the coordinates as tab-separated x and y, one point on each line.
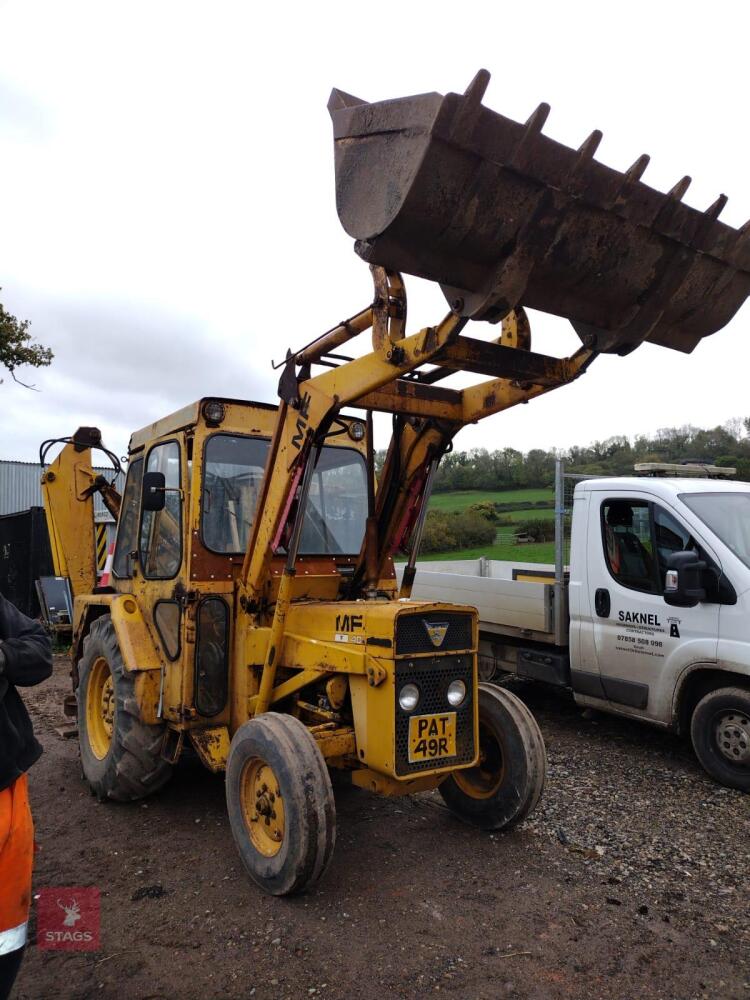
167	209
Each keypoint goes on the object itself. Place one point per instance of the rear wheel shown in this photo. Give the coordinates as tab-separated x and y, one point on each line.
720	731
507	782
120	754
280	803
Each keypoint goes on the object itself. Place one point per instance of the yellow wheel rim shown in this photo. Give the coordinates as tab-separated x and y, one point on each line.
100	708
483	780
262	806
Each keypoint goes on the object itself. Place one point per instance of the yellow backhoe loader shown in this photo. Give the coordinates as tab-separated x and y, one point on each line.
253	608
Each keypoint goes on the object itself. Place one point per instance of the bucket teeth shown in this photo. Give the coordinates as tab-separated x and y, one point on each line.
714	211
636	170
587	149
476	89
537	119
677	193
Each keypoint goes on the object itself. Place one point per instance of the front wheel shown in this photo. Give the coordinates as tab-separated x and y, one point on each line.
506	783
280	803
720	731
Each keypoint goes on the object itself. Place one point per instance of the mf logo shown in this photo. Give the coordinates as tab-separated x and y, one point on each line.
436	631
349	623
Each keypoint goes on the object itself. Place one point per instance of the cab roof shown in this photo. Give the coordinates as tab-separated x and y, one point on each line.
188	416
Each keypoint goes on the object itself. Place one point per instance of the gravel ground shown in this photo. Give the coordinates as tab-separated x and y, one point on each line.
635	808
629	881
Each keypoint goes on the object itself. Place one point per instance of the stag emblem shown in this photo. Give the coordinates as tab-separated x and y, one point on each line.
72	913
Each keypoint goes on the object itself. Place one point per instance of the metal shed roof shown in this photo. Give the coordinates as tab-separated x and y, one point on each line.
20	488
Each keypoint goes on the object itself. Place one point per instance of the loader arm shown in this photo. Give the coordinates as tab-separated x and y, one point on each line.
391	378
388	379
68	488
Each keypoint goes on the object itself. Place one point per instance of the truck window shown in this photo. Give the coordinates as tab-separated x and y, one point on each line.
127	530
727	515
628	546
670	537
161	530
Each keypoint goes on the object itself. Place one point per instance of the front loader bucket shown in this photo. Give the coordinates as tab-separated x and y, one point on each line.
502	216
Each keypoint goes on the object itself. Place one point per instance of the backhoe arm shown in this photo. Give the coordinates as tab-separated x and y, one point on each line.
68	488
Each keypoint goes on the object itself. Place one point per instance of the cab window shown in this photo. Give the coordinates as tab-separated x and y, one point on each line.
336	505
127	532
640	537
161	530
232	476
628	545
233	469
670	537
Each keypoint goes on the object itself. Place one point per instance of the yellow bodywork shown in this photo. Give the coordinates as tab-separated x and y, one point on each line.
226	635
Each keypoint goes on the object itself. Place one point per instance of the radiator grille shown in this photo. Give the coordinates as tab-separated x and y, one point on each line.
412	635
432	676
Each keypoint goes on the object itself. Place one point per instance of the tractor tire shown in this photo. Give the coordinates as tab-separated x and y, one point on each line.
280	803
120	755
720	732
507	782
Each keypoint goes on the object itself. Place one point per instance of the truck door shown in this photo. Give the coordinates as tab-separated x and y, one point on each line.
641	643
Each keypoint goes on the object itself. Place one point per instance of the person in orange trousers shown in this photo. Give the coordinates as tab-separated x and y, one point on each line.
25	659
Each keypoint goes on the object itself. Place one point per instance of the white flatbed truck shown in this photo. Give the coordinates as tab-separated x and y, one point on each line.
650	619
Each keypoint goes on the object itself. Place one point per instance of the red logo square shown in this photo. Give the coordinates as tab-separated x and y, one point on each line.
67	919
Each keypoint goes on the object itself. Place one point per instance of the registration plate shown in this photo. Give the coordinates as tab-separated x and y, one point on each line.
432	737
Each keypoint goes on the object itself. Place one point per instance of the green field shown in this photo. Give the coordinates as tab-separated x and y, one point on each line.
465	498
532	514
542	552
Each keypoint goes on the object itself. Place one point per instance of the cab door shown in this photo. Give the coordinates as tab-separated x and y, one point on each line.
641	644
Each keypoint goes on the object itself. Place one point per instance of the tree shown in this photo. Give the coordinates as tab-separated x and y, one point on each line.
17	347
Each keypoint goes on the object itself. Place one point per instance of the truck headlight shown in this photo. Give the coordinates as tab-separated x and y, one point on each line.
408	697
456	693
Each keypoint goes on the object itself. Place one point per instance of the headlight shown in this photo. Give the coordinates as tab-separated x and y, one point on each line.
456	693
408	697
356	430
213	412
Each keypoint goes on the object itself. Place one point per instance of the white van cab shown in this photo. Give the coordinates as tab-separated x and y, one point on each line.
651	618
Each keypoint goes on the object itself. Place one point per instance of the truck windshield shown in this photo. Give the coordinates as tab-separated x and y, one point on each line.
727	515
233	472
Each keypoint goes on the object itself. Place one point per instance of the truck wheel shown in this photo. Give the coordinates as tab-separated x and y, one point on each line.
507	782
120	755
720	731
280	803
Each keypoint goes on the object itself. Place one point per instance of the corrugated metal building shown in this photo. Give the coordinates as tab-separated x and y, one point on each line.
25	553
20	489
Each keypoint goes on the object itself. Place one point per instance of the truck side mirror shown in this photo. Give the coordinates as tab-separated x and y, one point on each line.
683	581
153	493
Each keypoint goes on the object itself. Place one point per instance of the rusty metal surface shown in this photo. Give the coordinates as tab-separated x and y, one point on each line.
469	354
415	399
501	215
